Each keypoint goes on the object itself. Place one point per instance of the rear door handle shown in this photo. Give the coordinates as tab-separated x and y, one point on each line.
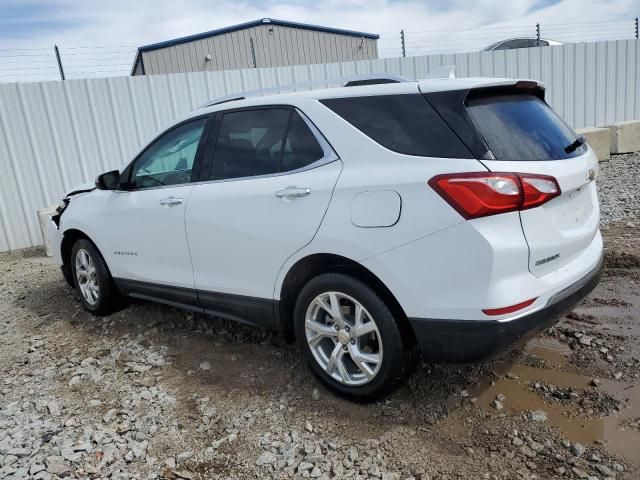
293	192
171	202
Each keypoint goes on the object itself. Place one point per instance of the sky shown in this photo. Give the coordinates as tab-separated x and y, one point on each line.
99	38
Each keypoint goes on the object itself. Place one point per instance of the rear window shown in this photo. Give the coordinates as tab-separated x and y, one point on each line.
521	127
402	123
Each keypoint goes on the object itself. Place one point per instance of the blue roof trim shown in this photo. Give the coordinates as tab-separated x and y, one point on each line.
255	23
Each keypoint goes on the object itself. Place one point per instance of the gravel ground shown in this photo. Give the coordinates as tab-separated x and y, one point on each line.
618	189
153	392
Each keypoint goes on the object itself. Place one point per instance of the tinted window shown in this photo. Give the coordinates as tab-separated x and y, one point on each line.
260	142
402	123
250	143
301	148
169	160
521	127
515	43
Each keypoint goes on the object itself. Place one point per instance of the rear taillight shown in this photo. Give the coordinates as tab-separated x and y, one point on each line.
480	194
537	189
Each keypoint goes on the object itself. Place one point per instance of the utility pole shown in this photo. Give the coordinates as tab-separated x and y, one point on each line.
537	34
404	52
55	48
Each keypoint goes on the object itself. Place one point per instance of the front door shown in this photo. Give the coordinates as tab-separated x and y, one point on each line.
271	181
148	243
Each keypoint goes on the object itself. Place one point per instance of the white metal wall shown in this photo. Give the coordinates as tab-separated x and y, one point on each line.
54	135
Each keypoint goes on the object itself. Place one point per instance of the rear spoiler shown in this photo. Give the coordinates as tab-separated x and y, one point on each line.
530	87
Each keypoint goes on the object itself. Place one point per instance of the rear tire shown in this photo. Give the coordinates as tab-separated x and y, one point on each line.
92	280
350	339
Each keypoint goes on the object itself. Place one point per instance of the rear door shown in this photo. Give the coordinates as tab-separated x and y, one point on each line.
526	136
270	182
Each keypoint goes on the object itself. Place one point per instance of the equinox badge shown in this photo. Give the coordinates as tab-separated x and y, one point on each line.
547	260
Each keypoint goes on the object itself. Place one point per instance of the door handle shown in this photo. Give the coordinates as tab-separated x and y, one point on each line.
171	202
293	192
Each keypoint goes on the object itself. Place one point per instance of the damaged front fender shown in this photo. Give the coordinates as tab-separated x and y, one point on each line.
83	188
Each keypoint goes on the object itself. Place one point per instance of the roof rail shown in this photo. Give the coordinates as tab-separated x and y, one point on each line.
350	81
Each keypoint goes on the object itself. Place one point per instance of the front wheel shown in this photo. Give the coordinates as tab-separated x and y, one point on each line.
92	279
349	338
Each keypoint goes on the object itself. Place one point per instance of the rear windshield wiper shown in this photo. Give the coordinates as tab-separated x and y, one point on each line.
575	145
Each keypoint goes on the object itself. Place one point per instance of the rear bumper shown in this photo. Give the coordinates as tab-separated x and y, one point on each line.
469	340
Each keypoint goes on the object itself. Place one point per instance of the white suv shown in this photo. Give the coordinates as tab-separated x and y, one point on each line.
446	217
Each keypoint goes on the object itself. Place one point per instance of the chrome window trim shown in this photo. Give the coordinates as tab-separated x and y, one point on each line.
319	163
324	144
329	156
159	187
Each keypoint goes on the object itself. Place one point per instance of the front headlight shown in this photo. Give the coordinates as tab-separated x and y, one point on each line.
62	205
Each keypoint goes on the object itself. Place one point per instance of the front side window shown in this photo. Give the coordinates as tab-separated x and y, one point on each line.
262	142
402	123
169	160
521	127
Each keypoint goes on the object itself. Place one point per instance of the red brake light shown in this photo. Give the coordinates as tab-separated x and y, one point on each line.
480	194
537	189
527	84
511	309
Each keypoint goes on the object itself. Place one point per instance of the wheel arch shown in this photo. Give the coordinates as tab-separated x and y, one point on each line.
319	263
69	238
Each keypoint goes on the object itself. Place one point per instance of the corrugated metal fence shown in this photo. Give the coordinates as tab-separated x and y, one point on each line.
54	135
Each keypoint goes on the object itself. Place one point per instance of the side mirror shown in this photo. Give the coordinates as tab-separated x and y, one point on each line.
108	181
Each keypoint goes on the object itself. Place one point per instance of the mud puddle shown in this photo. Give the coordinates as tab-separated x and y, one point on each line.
623	320
549	349
580	411
616	308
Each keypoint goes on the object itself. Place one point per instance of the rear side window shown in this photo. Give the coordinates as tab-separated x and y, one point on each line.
301	148
402	123
263	141
250	143
521	127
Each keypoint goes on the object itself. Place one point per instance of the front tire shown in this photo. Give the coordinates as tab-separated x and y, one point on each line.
92	279
349	338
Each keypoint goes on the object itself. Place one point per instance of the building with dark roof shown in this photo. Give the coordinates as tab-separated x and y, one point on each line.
262	43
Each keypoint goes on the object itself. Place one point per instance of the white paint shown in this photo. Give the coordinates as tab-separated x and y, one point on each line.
567	224
241	233
376	209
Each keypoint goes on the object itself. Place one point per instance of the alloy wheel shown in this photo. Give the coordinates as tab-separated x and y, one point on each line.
344	338
87	277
